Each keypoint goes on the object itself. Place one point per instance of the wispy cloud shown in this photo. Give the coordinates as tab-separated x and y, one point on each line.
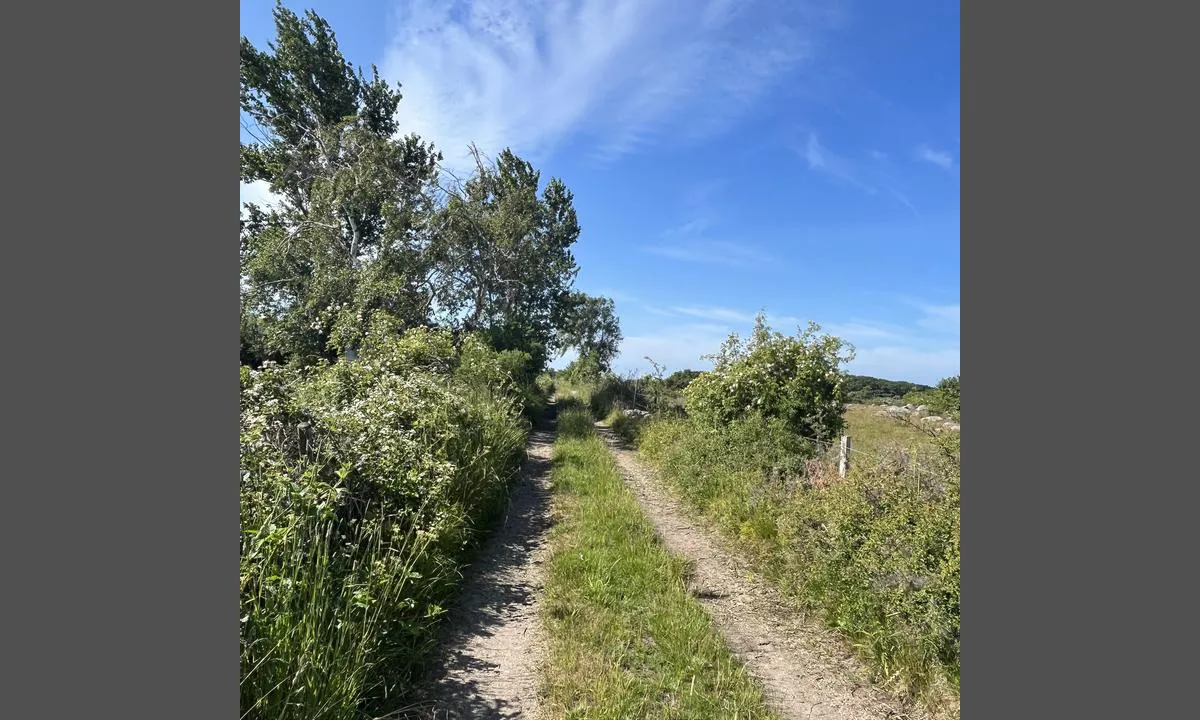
677	347
867	177
904	201
691	227
942	159
712	253
824	160
940	318
858	332
613	73
716	313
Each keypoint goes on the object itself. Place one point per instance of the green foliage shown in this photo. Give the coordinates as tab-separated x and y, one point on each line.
609	392
624	425
583	370
590	325
865	389
943	399
502	254
680	379
877	553
363	223
342	241
364	484
949	401
796	380
625	637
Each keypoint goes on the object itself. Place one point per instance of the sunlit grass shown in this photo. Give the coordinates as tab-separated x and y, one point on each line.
626	639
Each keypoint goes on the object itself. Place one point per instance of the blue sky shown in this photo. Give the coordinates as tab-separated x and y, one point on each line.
726	155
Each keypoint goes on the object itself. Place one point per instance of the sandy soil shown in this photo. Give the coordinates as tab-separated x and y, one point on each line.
492	643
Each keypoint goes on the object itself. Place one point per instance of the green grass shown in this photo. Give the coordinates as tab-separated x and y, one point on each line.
623	425
876	554
311	643
874	434
626	639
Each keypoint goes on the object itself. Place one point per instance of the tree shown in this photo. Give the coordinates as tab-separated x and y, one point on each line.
680	379
503	258
346	236
590	325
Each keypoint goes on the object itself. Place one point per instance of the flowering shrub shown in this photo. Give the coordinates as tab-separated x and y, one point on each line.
795	380
363	485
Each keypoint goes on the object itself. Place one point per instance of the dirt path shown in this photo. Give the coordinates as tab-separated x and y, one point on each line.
805	670
491	646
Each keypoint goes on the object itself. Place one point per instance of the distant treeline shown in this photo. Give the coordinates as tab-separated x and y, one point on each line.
864	389
857	388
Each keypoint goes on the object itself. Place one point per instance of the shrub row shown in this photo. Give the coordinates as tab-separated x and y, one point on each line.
364	484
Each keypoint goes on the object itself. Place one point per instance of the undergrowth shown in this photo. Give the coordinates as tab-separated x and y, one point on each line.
364	485
876	553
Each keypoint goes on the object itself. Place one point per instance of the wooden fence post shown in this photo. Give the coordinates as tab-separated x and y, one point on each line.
844	456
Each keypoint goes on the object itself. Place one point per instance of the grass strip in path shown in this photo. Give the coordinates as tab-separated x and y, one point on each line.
625	637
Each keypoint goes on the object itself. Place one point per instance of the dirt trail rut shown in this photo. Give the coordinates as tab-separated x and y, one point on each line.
805	671
487	666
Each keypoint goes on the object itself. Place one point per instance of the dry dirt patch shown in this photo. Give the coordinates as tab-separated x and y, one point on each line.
488	662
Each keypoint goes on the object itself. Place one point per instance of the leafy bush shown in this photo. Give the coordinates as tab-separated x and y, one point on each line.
625	425
364	484
796	380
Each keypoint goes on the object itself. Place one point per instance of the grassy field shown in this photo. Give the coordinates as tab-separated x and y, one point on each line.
626	639
874	434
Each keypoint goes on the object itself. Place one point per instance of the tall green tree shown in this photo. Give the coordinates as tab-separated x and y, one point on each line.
503	254
348	233
590	325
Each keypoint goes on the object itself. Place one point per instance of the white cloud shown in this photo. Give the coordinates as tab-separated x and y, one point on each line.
691	227
716	313
858	332
711	252
867	177
937	157
904	201
824	160
940	318
614	73
677	347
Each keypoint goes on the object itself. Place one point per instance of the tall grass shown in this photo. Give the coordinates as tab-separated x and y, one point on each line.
314	635
876	553
626	638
